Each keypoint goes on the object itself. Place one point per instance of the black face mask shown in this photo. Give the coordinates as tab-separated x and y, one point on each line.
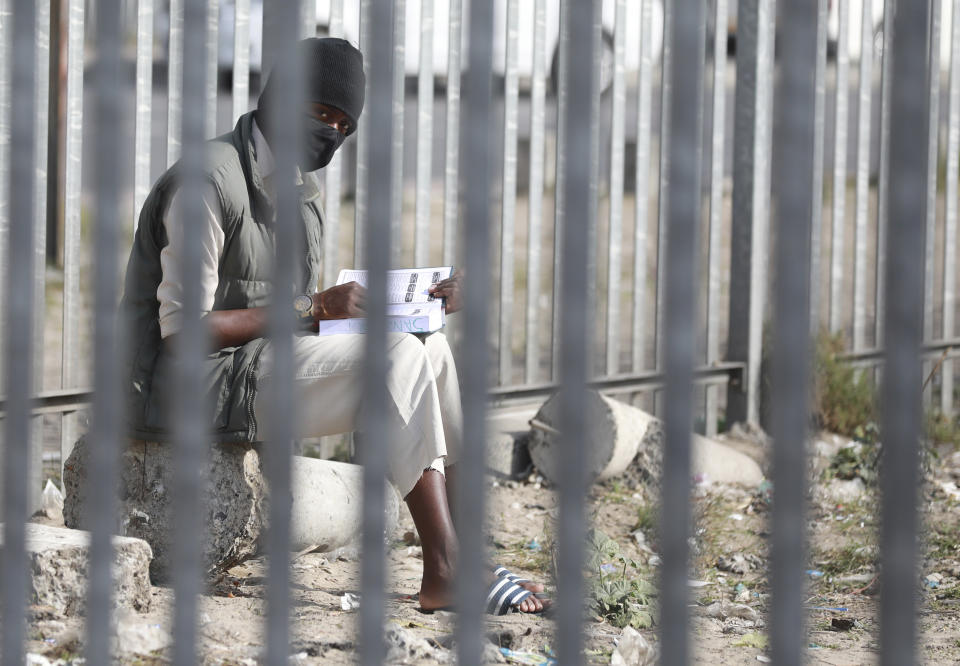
320	143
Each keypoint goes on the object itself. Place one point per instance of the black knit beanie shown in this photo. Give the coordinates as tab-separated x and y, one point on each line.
333	75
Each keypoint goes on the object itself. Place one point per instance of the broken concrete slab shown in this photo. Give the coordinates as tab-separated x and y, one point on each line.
508	455
235	503
59	560
620	434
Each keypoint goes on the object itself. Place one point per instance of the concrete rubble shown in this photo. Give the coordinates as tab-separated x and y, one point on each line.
325	512
620	434
59	560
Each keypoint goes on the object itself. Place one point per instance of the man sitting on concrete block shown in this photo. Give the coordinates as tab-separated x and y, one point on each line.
238	251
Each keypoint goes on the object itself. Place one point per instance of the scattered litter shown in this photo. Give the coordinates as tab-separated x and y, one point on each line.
526	657
633	650
763	658
205	619
533	545
814	573
654	560
350	601
736	516
52	501
698	583
837	609
736	563
933	581
740	587
843	623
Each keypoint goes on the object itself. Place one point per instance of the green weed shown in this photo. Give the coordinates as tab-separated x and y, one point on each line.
617	593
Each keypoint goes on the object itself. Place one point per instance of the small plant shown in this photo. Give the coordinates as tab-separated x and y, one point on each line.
620	599
647	518
941	429
859	460
844	399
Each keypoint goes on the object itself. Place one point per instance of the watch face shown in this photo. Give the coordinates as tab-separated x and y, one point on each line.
303	304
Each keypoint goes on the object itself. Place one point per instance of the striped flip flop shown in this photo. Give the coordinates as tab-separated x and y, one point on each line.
505	595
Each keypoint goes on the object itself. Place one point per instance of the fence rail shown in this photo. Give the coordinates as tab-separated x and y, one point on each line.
621	167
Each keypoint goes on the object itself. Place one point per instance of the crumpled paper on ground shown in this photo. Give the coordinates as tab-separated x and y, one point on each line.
633	650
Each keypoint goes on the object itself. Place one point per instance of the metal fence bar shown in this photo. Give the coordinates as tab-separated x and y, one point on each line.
535	191
617	149
107	424
396	167
175	81
190	416
73	167
794	175
287	130
580	17
241	58
39	248
683	205
718	111
212	64
333	177
901	420
559	193
5	41
950	217
509	195
642	188
666	124
841	114
751	200
19	324
883	177
816	212
476	170
143	123
931	166
865	86
380	93
451	170
363	139
422	235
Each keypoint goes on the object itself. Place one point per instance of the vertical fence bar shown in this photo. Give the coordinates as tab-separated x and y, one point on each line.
865	86
579	16
363	139
19	324
615	244
380	92
794	169
816	194
241	58
144	106
333	176
931	166
666	124
399	97
39	248
73	168
642	188
535	206
883	178
718	105
559	205
451	173
950	218
751	200
838	219
191	428
509	209
5	42
476	169
107	414
175	80
421	252
212	63
902	411
685	73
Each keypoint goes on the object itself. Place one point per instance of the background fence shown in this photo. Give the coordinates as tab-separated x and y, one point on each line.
648	147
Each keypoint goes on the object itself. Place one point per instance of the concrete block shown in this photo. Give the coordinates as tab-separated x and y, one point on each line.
235	504
508	456
59	560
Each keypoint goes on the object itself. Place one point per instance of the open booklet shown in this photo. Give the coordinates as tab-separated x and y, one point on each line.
410	307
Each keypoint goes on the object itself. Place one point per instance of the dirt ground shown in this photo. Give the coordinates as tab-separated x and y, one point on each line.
730	597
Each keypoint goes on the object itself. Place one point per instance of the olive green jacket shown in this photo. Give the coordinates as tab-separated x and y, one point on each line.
230	374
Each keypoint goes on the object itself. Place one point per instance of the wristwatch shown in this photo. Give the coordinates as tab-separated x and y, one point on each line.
303	308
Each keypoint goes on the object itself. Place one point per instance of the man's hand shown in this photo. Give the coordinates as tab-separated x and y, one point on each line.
450	290
340	302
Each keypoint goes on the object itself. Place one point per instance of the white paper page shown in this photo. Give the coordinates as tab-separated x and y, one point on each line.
409	285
